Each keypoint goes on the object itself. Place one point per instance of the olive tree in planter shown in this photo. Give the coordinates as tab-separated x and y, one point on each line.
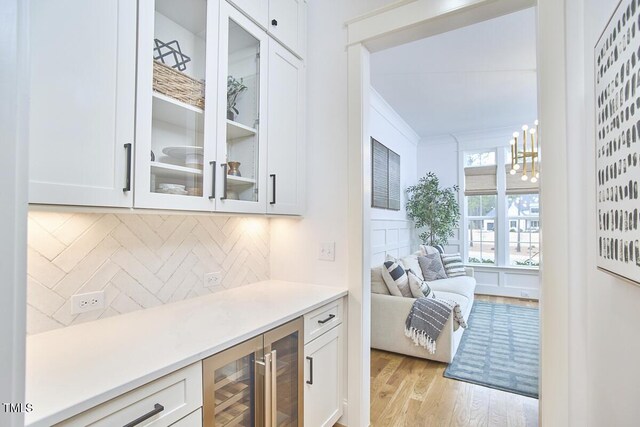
433	209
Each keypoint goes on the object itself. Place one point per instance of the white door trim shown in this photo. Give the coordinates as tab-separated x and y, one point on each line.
14	73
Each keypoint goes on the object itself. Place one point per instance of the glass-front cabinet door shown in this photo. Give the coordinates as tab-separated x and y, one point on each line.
241	156
233	382
284	346
176	113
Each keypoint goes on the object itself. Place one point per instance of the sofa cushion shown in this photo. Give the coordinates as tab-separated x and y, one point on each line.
377	282
396	279
431	266
463	285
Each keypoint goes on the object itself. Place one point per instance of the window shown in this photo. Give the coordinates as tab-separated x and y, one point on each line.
481	217
501	212
524	239
385	177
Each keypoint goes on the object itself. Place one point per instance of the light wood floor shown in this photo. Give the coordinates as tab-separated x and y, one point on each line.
407	391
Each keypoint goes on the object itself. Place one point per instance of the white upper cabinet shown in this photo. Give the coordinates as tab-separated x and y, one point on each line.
242	132
177	108
258	10
288	22
82	106
286	148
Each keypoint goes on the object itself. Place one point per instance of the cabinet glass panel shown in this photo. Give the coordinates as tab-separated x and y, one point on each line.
243	97
177	141
287	380
234	393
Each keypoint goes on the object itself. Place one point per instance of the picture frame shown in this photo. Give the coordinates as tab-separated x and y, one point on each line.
617	143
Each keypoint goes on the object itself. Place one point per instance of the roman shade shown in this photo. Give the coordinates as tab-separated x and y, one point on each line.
480	181
515	184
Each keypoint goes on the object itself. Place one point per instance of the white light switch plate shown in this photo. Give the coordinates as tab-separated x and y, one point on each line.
327	251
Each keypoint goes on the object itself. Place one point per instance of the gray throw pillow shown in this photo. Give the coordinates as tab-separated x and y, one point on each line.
431	266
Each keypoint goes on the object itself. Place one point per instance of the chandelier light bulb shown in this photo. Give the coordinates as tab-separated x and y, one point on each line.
516	167
537	174
515	134
532	131
525	177
512	172
535	123
534	179
512	141
525	128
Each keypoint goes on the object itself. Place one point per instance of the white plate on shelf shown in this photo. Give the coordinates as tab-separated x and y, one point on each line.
187	154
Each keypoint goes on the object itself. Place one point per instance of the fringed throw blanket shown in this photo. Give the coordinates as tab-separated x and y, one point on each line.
427	318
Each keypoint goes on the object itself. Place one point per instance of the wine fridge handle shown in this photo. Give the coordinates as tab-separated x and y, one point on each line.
267	390
274	389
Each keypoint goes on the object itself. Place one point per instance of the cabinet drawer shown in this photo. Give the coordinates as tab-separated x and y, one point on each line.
194	419
179	394
322	319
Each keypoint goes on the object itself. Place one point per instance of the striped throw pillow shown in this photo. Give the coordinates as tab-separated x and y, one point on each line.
396	279
453	265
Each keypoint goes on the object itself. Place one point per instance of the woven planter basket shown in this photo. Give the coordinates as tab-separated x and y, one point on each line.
177	85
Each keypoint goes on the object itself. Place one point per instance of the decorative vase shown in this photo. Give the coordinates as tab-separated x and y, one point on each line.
234	169
231	115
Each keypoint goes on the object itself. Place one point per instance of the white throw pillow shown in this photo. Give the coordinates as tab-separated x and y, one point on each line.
419	288
411	263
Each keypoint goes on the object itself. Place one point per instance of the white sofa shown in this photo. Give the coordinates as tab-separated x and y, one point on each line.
388	314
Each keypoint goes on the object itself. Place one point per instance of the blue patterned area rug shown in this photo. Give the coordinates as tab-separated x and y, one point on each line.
499	349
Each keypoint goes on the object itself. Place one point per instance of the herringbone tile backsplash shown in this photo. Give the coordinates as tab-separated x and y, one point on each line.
140	261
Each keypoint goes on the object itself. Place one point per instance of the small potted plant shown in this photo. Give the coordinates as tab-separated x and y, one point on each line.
434	210
234	89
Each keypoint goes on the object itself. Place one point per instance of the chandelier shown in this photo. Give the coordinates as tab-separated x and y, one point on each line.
525	159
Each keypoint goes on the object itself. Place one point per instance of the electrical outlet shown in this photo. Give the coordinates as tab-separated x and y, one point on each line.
81	303
524	294
327	251
213	279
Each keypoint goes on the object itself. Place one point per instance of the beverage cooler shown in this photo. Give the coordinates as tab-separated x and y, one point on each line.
258	382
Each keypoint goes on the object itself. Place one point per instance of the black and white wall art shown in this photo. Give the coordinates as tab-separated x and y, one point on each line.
617	91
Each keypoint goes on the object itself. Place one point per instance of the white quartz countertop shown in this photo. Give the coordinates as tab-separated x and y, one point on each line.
72	369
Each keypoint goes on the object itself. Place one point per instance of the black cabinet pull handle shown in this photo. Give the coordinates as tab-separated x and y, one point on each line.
157	408
273	196
127	183
274	22
322	322
213	181
224	181
310	381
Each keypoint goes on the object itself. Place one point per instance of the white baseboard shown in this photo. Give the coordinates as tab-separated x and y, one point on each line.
500	291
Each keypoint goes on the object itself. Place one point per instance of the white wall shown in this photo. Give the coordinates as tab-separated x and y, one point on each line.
295	243
604	310
391	232
441	155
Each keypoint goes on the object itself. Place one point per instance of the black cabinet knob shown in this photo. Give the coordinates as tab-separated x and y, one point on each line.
274	22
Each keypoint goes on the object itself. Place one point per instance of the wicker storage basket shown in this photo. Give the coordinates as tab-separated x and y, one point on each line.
177	85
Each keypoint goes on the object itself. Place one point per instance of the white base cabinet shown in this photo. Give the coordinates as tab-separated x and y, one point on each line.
323	371
160	403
